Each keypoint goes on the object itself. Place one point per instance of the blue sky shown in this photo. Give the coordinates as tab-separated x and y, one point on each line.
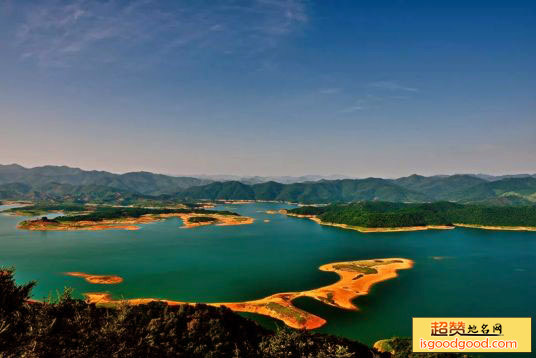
270	87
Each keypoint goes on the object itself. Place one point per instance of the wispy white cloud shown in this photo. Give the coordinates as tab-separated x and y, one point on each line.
392	86
358	105
64	33
351	109
331	90
371	101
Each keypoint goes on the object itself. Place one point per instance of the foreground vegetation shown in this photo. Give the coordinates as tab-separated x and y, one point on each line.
385	214
68	327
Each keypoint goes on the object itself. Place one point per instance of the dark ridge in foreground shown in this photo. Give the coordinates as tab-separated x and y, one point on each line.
69	327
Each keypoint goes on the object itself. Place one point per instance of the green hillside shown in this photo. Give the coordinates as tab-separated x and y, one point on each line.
139	182
324	191
55	192
230	190
439	187
53	183
524	189
385	214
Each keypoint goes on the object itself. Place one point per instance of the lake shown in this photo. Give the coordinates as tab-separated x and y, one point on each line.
457	273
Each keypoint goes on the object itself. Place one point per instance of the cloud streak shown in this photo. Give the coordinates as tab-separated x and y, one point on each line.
64	33
392	86
332	90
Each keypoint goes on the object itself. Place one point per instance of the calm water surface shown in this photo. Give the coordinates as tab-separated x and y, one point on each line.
457	273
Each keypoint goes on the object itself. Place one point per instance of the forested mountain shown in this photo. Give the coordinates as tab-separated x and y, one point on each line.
439	187
520	188
138	182
69	193
459	188
284	179
323	191
76	185
219	191
500	177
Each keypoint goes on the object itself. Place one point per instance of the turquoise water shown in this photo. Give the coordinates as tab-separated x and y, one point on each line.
457	273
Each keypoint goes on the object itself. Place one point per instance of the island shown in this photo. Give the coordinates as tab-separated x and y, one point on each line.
97	279
128	218
355	279
369	217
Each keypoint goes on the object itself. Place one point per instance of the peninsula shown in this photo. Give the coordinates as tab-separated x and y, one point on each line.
355	279
368	217
97	279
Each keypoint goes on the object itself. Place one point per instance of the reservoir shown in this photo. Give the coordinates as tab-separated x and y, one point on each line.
457	273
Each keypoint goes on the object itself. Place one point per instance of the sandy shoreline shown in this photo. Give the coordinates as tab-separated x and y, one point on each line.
498	228
355	279
406	228
372	229
97	279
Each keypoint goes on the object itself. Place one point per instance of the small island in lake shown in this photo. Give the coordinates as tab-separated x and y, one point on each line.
127	218
370	217
97	279
355	279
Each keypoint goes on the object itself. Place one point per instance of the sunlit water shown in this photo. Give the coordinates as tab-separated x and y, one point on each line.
457	273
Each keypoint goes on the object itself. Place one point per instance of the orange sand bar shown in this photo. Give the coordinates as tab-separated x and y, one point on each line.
355	279
97	279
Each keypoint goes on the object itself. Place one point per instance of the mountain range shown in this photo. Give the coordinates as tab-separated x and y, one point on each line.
63	183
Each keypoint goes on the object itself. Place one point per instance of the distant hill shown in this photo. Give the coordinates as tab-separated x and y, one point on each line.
523	189
415	188
61	183
439	187
137	182
500	177
284	179
69	193
323	191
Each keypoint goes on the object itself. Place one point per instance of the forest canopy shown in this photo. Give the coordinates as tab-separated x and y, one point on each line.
386	214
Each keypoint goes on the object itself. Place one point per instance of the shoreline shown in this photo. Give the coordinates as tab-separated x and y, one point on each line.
497	228
355	279
97	279
409	228
373	229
